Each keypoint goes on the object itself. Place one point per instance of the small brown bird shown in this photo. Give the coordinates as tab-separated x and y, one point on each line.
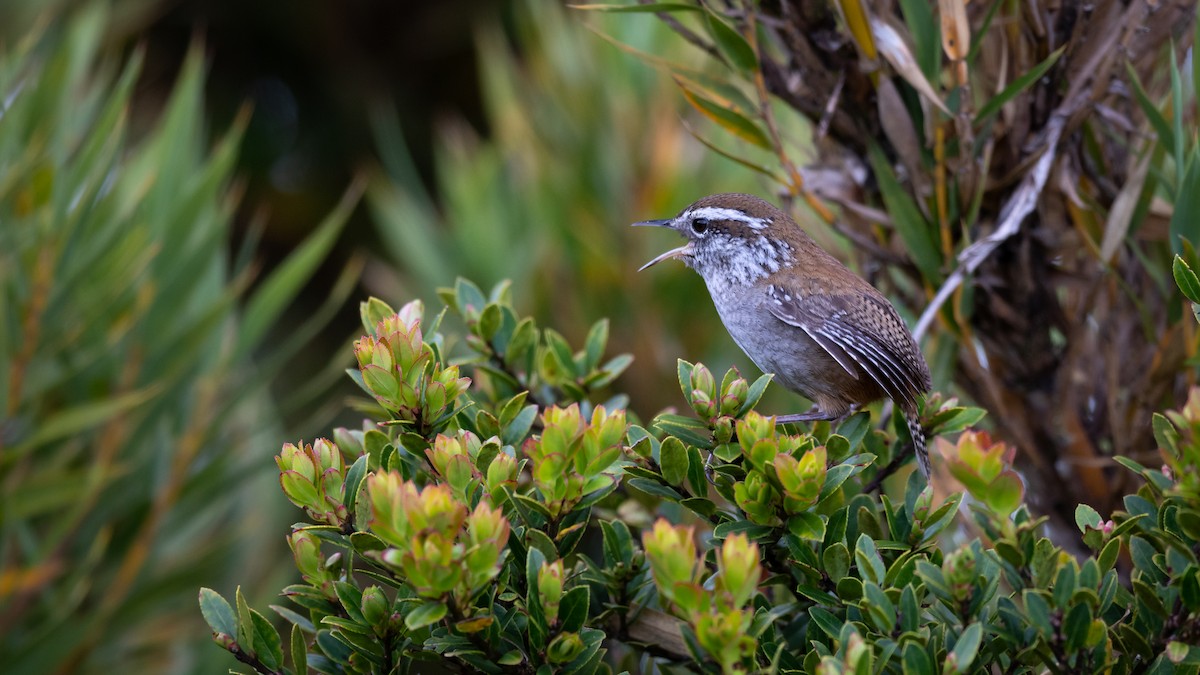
799	313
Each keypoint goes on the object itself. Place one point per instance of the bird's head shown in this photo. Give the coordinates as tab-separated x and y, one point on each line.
735	238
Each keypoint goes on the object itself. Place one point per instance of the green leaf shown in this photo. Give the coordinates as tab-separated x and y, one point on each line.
518	429
826	621
756	393
701	506
1166	137
654	488
653	7
489	321
468	299
753	166
1038	612
541	541
854	429
562	351
267	644
836	560
697	480
617	543
76	420
295	618
279	289
870	565
1086	516
916	660
925	32
959	420
573	609
1076	624
1177	114
299	650
217	613
354	479
1186	279
673	459
917	234
731	43
1109	554
597	340
245	625
429	613
1185	219
683	371
1016	87
967	646
751	530
726	117
808	526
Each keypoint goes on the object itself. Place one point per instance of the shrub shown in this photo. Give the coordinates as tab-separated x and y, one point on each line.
497	516
130	392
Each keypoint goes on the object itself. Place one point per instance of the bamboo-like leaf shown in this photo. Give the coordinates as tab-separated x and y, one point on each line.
917	234
1177	124
1018	85
728	118
269	301
1166	136
653	7
652	59
977	39
893	48
1195	70
83	417
1185	220
731	43
770	173
719	92
924	29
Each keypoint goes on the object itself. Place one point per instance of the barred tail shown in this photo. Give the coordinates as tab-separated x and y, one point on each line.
918	437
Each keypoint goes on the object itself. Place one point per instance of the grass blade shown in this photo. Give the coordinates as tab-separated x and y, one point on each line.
1018	85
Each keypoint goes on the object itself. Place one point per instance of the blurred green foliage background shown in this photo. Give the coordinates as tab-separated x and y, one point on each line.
182	250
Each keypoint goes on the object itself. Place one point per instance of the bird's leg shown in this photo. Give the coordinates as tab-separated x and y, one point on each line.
816	415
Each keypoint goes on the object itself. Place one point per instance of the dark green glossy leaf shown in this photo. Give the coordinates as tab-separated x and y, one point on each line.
573	610
654	488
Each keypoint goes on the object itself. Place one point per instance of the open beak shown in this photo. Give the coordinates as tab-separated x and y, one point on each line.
682	251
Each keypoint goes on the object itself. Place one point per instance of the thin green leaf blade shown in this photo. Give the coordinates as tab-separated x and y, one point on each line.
1016	87
273	296
726	117
917	234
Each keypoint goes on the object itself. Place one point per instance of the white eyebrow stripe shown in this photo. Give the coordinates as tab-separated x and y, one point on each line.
718	213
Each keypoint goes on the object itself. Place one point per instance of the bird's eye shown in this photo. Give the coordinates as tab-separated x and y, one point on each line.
700	225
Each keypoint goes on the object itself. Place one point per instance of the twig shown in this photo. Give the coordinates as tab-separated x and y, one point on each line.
830	107
1021	204
885	472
